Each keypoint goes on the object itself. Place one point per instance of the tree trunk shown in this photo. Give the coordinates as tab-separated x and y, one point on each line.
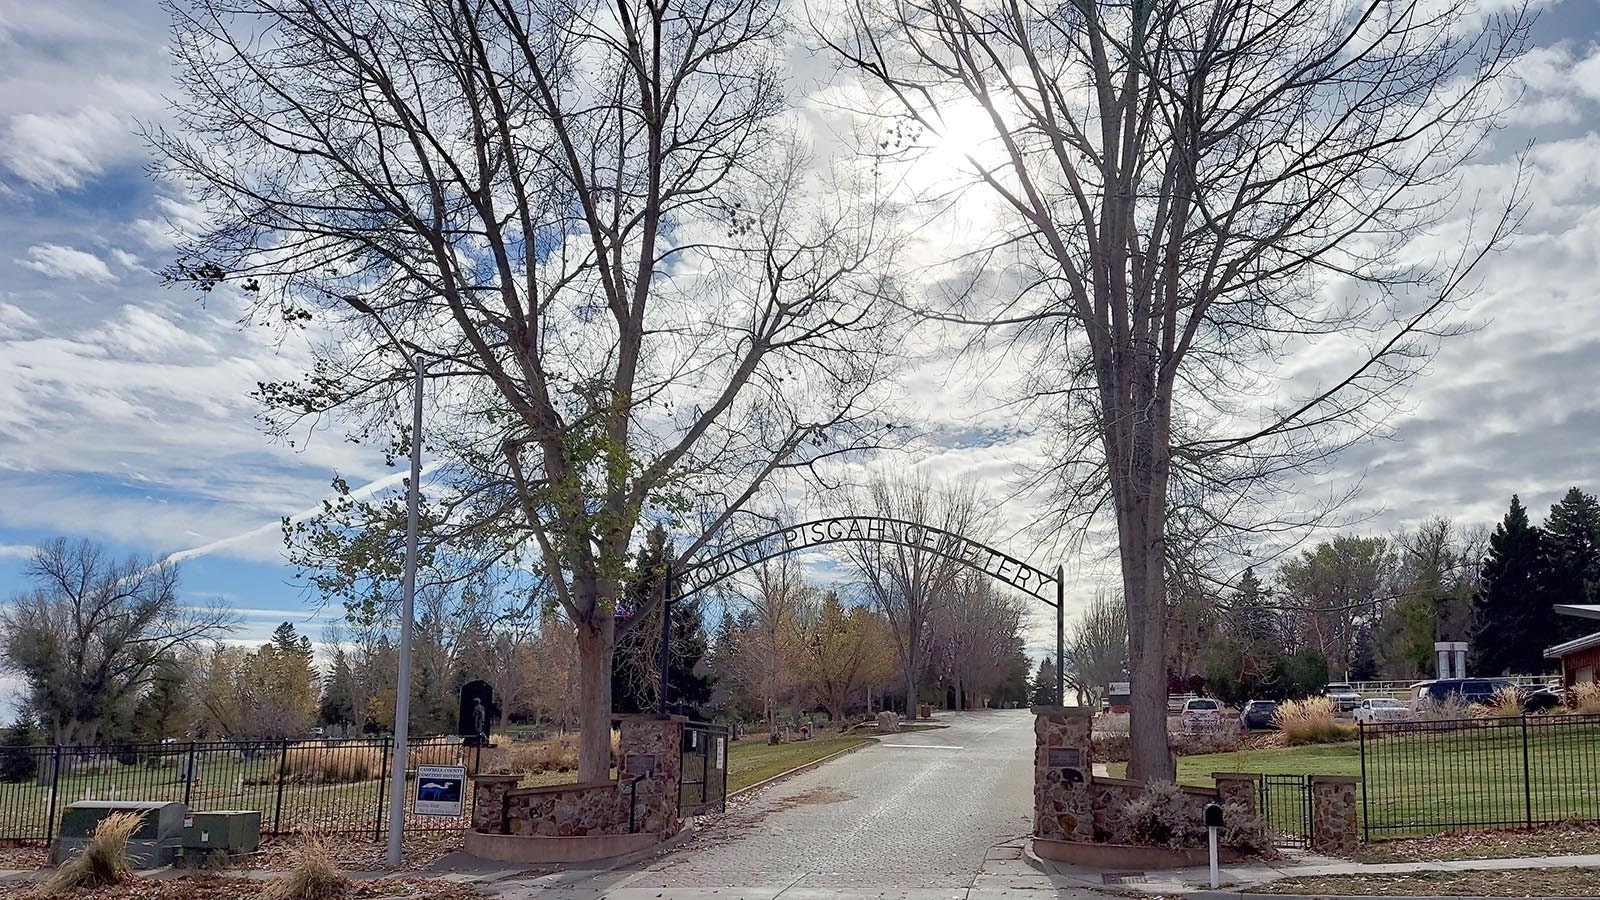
595	649
1142	546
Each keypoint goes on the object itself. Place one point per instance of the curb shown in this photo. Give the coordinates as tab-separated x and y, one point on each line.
801	768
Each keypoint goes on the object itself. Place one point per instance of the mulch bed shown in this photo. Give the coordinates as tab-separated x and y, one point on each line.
353	854
1572	882
1501	844
219	887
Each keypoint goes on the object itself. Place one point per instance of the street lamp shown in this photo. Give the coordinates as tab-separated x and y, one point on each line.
402	694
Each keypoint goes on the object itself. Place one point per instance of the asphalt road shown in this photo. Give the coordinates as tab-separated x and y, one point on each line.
918	816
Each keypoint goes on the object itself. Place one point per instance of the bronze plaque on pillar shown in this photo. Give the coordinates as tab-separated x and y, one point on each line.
1064	758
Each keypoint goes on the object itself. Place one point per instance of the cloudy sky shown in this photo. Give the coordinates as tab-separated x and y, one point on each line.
124	414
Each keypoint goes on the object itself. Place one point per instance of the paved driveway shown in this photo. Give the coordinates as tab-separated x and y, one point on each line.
919	816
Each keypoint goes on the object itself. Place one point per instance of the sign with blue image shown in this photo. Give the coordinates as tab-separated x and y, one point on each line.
440	790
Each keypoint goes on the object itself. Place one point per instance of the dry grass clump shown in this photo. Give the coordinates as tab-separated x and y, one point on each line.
1450	708
1505	704
103	862
1310	721
314	875
329	762
552	754
1586	697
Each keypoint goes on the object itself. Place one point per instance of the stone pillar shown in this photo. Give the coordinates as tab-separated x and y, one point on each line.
1242	788
489	801
651	749
1063	766
1335	828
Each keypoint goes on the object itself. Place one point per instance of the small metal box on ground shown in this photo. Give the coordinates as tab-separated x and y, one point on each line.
155	843
233	831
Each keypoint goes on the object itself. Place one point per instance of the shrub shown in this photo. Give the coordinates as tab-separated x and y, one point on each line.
1506	703
1310	721
314	875
1244	831
1162	817
1586	697
103	862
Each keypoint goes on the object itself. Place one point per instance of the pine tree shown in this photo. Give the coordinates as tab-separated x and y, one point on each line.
1572	552
1044	684
1512	620
339	690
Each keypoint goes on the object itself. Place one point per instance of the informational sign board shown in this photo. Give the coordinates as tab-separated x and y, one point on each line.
722	752
440	790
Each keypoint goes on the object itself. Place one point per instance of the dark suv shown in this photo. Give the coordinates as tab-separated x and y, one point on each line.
1482	690
1257	714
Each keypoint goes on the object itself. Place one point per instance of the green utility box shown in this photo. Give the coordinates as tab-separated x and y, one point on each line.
154	844
233	831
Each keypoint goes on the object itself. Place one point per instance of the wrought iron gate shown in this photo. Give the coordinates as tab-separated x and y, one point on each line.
1285	808
703	772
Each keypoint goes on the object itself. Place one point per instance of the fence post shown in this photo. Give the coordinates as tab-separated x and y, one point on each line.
188	778
283	771
1366	813
1527	776
383	784
55	786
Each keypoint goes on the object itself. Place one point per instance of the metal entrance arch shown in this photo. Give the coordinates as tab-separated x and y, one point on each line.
704	571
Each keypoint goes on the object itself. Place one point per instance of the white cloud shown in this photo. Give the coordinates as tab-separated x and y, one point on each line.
59	261
15	551
14	320
58	150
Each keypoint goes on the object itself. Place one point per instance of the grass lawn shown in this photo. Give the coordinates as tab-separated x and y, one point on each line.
1315	759
1508	883
1434	781
750	761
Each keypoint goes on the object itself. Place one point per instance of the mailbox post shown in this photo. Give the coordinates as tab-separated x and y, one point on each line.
1213	822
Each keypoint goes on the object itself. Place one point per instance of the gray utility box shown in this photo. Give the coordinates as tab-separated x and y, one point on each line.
233	831
155	843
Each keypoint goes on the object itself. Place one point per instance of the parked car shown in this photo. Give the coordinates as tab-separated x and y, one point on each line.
1258	714
1383	709
1200	714
1344	697
1471	690
1542	699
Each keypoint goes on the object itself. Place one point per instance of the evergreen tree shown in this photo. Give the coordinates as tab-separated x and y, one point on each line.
1512	621
1044	684
1364	662
338	706
18	760
163	711
689	680
1572	544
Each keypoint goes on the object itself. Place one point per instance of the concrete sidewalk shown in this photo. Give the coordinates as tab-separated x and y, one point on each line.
1235	880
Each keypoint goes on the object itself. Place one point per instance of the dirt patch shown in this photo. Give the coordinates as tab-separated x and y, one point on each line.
814	797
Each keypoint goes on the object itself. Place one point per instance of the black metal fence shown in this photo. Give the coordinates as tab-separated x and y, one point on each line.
1463	774
336	786
703	778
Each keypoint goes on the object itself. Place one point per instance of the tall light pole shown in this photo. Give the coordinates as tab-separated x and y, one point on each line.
402	693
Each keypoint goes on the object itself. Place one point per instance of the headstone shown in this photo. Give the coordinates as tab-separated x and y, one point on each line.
476	717
888	722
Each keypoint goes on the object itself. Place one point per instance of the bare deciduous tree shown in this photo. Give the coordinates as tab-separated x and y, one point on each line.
912	585
1193	191
975	634
86	640
633	293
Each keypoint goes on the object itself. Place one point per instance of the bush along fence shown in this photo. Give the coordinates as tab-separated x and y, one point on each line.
1463	774
334	786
